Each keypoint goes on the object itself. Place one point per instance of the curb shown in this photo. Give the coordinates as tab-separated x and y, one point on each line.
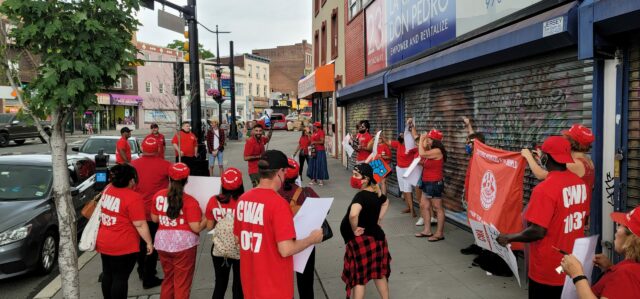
56	284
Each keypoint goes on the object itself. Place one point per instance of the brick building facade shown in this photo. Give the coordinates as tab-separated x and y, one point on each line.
288	64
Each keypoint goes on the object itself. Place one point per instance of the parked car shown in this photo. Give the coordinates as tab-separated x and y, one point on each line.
29	227
278	121
293	116
18	128
93	144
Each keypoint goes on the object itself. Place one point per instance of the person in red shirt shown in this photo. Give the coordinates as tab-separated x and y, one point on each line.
556	213
264	228
155	134
384	153
185	143
404	158
303	148
123	149
363	142
317	170
153	174
122	223
253	150
434	155
620	281
218	207
180	220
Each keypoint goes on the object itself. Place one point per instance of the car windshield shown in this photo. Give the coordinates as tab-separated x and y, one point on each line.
5	118
276	117
19	182
93	145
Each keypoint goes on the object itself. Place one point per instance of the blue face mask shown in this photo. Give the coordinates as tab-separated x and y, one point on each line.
468	148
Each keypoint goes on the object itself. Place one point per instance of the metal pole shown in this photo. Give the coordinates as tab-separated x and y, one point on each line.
233	133
194	76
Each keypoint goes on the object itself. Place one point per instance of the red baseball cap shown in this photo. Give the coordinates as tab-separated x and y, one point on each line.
179	171
559	148
580	134
149	145
261	124
317	124
435	135
231	179
293	170
631	220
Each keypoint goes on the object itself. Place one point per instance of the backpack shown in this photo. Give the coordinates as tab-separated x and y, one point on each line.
224	242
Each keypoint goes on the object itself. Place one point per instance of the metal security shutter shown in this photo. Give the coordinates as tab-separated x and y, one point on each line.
514	105
382	115
633	168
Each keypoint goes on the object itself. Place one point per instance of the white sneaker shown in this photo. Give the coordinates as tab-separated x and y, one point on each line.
420	222
434	220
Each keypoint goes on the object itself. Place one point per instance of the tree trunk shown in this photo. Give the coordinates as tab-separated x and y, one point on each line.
68	248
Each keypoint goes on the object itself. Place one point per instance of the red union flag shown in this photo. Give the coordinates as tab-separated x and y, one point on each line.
496	188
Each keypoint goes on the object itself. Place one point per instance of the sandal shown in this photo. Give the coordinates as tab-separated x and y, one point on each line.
421	235
437	239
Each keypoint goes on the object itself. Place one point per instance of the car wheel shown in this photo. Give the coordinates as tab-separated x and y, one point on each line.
4	139
19	141
48	253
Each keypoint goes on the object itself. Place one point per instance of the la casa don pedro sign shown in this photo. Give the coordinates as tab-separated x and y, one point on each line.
400	29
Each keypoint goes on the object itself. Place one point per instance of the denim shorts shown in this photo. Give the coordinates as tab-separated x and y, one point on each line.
212	159
433	189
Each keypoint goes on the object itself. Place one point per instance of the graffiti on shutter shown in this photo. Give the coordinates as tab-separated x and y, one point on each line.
633	168
513	105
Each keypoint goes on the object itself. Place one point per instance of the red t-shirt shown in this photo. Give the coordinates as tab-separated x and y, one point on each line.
214	212
304	143
190	212
363	139
318	135
432	170
560	204
123	144
621	281
404	159
188	143
263	218
254	148
161	143
117	235
153	176
384	149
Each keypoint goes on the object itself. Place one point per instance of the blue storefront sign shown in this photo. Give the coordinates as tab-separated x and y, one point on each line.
414	26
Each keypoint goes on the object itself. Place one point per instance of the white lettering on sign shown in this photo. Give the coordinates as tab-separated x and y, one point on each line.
493	158
553	26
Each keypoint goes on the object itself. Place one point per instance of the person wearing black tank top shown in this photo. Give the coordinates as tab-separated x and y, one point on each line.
366	252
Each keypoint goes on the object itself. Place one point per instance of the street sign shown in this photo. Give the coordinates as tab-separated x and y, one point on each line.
171	22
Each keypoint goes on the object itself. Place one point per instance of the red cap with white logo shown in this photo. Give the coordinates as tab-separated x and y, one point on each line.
231	179
179	171
631	220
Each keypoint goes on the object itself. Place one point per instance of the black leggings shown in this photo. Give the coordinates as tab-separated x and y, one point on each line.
115	274
301	159
305	280
543	291
222	277
147	263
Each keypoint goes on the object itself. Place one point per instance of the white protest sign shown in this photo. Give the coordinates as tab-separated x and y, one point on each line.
310	217
202	188
409	142
348	149
585	250
485	236
374	150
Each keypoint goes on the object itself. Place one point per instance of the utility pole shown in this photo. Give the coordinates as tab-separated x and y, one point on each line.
194	76
219	72
233	128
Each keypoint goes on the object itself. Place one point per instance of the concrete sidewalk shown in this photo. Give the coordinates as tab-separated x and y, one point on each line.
419	269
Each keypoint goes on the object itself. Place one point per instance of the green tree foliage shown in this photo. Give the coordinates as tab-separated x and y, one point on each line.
83	46
179	45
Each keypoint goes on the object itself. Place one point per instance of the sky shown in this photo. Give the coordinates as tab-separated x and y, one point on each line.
254	24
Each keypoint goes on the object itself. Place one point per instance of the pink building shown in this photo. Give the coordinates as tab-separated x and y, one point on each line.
155	84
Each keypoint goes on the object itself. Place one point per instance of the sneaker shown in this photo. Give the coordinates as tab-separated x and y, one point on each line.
154	282
471	249
434	220
420	222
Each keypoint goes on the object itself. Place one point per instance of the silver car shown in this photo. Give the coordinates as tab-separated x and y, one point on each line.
93	144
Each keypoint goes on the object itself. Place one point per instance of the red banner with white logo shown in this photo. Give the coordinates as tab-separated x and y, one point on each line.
496	188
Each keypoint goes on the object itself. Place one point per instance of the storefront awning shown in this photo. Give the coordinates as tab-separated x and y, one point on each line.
609	17
125	99
548	31
103	99
320	80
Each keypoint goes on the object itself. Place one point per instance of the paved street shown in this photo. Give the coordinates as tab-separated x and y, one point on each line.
419	269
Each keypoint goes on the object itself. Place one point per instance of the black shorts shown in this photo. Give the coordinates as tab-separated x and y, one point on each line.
432	189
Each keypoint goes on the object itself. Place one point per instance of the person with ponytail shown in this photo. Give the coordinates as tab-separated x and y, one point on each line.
180	220
434	155
218	207
366	252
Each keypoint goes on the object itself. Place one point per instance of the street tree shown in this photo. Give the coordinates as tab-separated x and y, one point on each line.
83	45
179	45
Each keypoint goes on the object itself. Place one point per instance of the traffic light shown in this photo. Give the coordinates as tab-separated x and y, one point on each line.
185	46
147	3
